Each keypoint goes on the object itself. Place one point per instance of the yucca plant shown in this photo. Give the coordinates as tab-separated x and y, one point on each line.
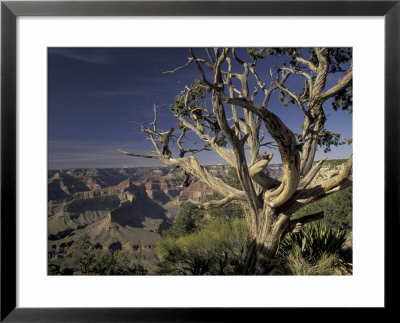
316	240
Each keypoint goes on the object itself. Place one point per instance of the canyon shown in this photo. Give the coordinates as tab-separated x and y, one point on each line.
118	208
124	208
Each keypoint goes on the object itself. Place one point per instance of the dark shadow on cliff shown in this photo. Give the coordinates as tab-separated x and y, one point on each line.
134	213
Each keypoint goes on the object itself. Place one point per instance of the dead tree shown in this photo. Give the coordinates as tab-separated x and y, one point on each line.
268	203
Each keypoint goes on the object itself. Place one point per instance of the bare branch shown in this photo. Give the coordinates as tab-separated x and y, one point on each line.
297	224
179	142
268	92
210	56
311	129
260	84
224	153
139	155
308	78
190	60
337	180
216	52
243	77
203	76
335	184
192	166
311	174
290	160
231	94
237	143
341	85
153	131
309	64
287	148
314	122
298	72
214	203
187	180
182	150
322	71
271	144
256	172
239	60
294	96
255	92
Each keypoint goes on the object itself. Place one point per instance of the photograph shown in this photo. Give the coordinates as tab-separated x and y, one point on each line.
187	161
200	161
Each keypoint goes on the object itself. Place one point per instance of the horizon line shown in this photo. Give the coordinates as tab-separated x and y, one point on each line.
161	166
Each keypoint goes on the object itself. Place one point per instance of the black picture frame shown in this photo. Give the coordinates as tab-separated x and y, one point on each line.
10	10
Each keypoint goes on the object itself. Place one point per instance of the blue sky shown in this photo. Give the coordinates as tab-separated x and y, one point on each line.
97	97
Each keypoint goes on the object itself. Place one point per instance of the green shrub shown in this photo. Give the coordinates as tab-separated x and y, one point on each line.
232	210
217	249
186	222
95	261
232	179
190	219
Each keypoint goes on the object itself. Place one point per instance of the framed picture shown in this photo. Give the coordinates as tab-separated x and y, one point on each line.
39	40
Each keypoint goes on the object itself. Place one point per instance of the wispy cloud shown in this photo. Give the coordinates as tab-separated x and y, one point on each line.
80	154
92	154
109	93
93	56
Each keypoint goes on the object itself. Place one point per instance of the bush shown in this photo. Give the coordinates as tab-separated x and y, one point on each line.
232	210
232	179
190	219
95	261
187	221
218	249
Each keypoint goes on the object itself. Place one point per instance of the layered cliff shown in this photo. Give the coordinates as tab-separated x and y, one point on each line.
126	208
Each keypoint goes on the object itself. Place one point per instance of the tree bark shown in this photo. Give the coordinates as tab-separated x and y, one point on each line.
264	242
313	124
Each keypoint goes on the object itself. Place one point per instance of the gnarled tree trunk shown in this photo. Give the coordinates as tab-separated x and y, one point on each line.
264	241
